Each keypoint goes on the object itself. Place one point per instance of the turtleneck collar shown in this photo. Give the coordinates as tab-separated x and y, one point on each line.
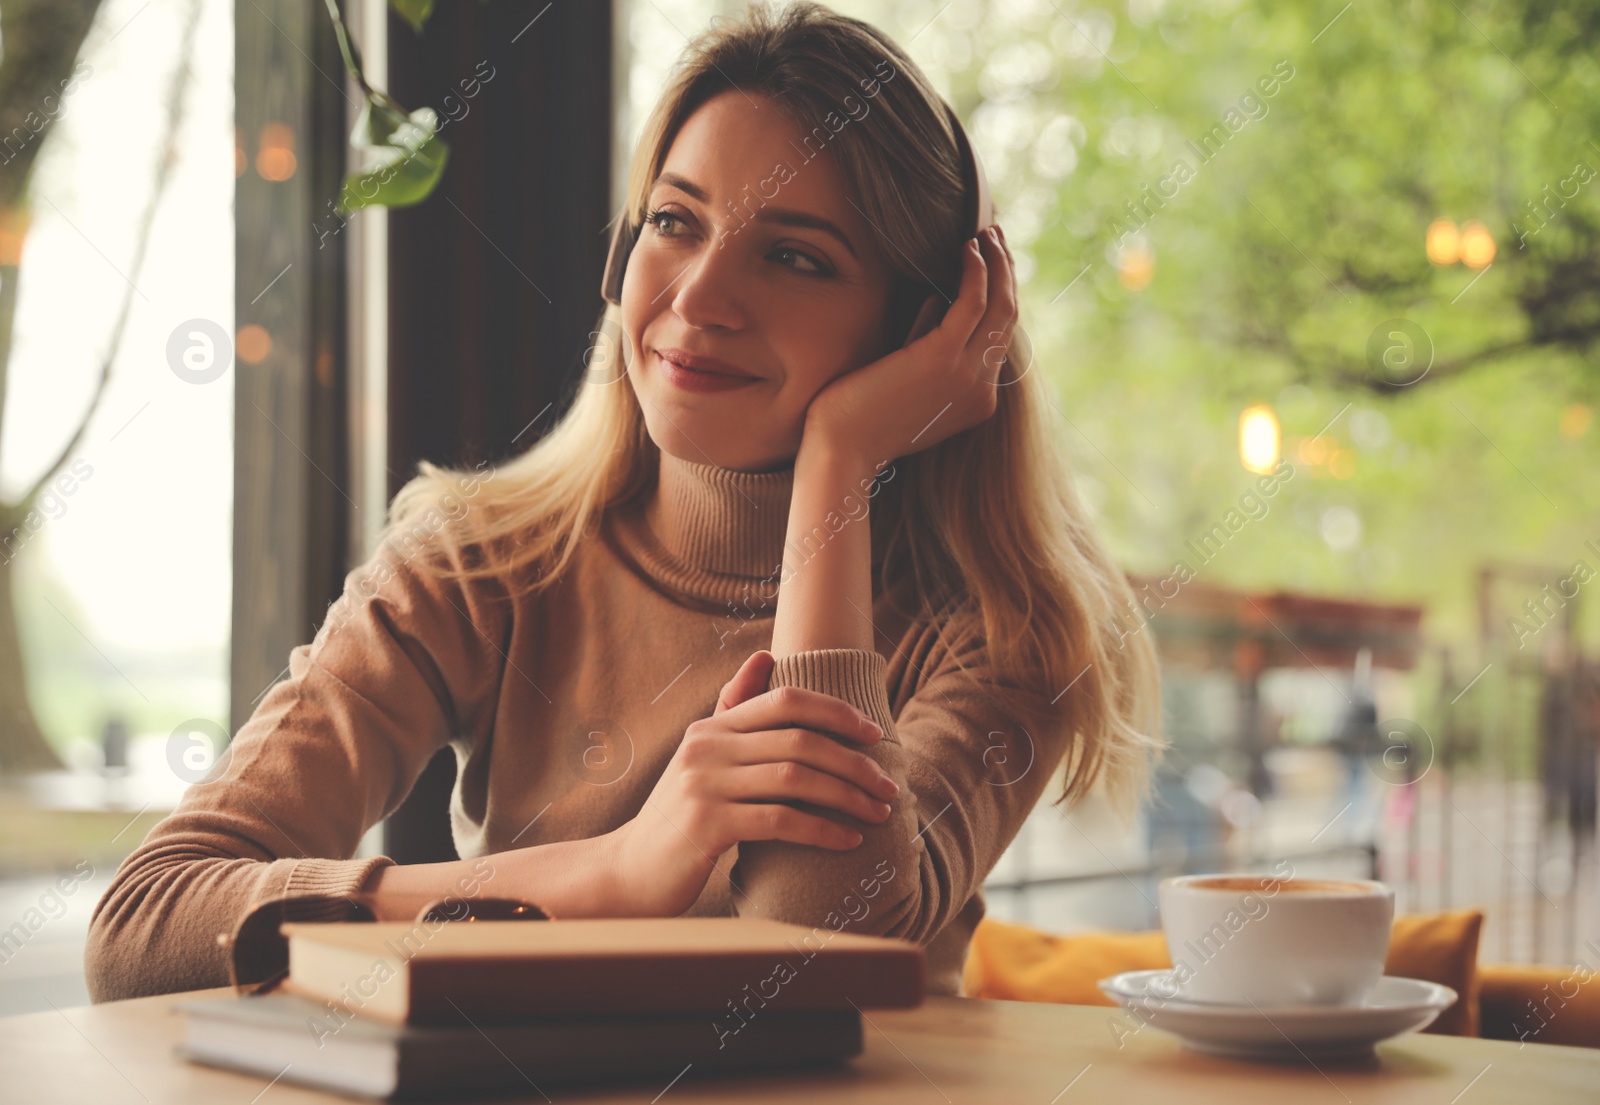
710	532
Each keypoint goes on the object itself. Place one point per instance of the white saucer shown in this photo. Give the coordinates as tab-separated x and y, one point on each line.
1395	1006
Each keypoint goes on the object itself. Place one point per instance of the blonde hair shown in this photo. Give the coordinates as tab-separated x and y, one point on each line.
985	528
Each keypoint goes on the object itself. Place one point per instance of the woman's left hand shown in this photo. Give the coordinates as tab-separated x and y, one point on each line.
940	384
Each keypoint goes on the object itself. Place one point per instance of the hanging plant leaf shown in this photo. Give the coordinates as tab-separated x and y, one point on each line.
408	156
380	118
414	12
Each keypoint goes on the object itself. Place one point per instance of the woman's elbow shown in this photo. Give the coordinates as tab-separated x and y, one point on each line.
803	885
144	940
109	969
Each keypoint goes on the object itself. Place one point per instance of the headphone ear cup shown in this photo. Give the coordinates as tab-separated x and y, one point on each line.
622	239
979	199
980	186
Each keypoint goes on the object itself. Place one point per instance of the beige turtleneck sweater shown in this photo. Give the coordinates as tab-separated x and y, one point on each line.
563	710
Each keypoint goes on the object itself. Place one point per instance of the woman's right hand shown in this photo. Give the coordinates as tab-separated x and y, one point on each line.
727	782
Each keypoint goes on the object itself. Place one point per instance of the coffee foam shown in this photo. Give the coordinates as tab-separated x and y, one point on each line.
1245	883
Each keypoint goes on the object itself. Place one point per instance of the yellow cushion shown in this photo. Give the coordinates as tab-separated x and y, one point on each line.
1541	1005
1021	963
1441	947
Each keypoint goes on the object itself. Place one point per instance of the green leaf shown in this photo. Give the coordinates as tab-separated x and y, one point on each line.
380	119
408	158
414	12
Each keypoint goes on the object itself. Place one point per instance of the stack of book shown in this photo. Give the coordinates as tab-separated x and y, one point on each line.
398	1011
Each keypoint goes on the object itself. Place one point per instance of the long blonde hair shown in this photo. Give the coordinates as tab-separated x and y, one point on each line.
985	529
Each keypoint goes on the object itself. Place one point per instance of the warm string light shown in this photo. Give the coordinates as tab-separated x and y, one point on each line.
252	343
1324	456
1477	245
275	158
1135	268
1575	419
1471	243
1261	447
1444	242
1259	439
13	229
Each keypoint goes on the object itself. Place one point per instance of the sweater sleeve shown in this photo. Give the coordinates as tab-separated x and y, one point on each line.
971	755
404	663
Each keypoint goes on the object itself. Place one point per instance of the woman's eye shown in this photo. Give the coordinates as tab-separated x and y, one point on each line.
811	266
655	217
817	267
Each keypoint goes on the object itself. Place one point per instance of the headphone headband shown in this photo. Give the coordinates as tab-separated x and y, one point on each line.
979	212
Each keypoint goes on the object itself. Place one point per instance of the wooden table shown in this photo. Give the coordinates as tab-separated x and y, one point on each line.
952	1050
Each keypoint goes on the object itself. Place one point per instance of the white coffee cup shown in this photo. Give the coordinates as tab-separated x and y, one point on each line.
1275	940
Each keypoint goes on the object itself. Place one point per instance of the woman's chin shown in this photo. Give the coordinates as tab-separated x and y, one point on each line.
688	444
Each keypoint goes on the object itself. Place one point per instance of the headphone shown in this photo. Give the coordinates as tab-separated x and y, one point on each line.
979	215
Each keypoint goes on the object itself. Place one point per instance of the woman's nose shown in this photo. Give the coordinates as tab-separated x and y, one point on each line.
708	290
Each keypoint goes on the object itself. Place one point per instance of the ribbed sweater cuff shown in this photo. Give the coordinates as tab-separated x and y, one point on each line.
313	889
857	675
342	878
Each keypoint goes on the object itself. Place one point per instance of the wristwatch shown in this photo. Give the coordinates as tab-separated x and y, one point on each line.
258	953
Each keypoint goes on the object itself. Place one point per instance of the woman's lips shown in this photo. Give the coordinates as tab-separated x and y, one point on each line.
690	380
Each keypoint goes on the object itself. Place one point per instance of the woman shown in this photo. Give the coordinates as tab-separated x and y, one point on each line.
680	675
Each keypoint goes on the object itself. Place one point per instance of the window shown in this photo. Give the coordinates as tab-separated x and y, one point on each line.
120	575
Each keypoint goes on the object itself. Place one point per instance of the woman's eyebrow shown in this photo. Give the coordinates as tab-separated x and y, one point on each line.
783	216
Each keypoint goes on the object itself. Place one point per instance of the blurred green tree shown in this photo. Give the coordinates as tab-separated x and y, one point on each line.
39	67
1229	204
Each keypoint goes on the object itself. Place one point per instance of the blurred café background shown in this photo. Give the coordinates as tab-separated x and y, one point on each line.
1316	290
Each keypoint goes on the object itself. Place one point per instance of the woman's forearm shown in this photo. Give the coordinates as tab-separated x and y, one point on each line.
566	878
825	598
